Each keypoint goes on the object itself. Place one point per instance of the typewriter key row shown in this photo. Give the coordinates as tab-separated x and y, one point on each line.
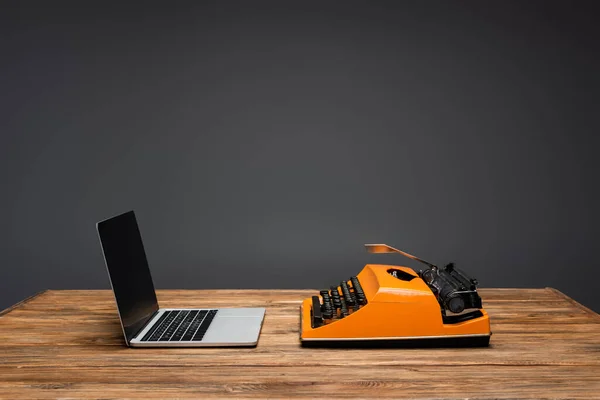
358	291
335	306
327	307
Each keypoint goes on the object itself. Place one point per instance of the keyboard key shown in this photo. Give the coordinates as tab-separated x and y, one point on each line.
343	309
327	306
358	290
155	326
204	326
346	293
163	326
173	326
184	326
316	312
189	334
335	296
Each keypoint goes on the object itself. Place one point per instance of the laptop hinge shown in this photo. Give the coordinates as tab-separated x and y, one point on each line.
146	324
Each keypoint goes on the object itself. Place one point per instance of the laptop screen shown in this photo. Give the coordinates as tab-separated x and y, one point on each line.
128	271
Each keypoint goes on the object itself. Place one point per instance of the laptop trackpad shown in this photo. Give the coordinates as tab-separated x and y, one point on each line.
232	330
241	312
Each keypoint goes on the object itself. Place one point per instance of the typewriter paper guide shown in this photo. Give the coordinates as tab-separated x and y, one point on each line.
397	307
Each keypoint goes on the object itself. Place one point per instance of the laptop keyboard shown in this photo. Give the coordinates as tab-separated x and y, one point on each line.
180	326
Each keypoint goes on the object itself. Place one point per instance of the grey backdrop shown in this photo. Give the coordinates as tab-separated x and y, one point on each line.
261	144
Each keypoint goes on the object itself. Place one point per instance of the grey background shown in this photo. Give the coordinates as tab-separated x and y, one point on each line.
261	144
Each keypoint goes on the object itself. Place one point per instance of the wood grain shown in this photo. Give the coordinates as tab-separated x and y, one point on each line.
68	344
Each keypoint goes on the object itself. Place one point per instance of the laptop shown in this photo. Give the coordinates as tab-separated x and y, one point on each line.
144	323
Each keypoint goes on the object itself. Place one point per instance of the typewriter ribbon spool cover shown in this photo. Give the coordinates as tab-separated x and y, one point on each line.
386	305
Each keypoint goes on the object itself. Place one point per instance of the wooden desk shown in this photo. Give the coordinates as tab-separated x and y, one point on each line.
61	344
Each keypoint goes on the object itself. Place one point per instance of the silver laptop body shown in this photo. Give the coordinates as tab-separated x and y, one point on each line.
144	323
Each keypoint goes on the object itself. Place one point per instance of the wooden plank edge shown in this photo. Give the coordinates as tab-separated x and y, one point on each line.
22	302
561	295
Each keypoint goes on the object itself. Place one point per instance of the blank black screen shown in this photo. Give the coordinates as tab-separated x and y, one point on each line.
128	271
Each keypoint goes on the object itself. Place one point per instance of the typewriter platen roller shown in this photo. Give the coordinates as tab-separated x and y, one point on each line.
393	305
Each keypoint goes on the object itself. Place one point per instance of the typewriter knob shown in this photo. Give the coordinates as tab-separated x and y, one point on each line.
455	304
428	275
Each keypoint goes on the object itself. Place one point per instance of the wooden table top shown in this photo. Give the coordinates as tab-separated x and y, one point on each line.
69	344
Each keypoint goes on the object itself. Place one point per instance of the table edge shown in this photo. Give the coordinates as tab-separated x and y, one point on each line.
20	303
574	302
556	292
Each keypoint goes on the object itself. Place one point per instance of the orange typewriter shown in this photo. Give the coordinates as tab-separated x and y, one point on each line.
387	305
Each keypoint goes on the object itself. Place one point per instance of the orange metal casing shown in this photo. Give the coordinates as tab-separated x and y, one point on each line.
394	309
